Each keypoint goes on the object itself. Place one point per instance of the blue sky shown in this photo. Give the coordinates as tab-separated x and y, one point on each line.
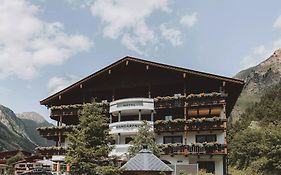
46	45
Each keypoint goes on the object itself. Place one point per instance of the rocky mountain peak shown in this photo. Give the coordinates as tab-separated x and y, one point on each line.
273	62
19	132
257	80
32	116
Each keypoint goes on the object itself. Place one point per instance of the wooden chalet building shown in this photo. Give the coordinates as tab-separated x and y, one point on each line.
187	110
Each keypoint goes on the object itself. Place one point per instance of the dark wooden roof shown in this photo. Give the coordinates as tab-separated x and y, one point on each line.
234	85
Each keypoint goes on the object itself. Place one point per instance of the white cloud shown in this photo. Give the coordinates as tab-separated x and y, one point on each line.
55	84
28	43
277	23
262	52
189	20
171	34
259	54
126	19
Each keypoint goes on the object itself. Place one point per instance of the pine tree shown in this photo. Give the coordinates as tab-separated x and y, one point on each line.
145	136
89	145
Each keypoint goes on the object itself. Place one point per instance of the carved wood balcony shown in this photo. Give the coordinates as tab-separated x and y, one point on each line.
194	124
177	125
50	151
73	109
202	99
53	132
196	148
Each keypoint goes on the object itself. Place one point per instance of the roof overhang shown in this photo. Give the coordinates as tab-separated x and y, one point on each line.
127	59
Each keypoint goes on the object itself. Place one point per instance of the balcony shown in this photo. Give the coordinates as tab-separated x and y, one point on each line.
196	148
194	124
50	151
53	132
120	150
206	99
205	124
131	106
72	110
176	125
128	127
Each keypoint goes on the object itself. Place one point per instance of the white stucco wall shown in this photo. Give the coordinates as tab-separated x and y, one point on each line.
175	159
159	137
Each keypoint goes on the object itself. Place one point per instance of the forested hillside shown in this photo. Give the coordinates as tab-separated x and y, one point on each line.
255	139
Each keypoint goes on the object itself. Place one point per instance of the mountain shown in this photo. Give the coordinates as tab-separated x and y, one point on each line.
33	120
20	132
258	80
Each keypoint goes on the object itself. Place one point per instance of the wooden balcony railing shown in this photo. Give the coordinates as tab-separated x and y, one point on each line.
49	151
52	132
177	125
212	123
196	148
194	124
190	100
73	109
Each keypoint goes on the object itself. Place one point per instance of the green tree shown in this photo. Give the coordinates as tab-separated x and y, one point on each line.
255	140
145	136
89	145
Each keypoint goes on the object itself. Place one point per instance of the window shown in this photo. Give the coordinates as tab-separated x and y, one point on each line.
128	139
172	139
168	117
209	166
206	138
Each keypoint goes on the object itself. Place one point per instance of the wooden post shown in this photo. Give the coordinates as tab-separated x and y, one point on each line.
225	128
152	116
185	113
184	89
119	138
110	118
59	142
119	116
60	124
113	94
149	91
139	115
58	167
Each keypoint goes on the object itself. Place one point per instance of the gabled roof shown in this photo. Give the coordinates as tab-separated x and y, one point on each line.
146	161
145	62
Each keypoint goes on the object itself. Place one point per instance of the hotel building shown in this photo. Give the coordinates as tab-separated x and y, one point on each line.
186	109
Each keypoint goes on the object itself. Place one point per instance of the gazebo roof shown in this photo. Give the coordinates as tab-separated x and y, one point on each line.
146	161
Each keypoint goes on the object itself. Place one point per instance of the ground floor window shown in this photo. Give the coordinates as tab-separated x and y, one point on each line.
208	166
